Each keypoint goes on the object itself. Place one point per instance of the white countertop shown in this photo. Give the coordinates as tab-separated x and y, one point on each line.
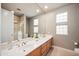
27	48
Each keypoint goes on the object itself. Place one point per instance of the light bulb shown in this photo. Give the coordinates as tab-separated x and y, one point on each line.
37	10
45	7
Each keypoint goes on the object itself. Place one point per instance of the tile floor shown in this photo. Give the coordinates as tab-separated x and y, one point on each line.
58	51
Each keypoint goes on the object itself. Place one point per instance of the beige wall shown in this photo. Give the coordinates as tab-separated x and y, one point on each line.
27	25
67	41
47	24
30	27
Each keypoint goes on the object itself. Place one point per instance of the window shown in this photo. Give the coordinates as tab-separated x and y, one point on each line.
35	29
61	17
62	29
35	23
61	23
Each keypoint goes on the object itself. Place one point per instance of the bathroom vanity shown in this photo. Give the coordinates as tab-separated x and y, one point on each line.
30	47
42	49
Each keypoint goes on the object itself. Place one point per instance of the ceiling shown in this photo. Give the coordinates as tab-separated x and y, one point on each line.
29	9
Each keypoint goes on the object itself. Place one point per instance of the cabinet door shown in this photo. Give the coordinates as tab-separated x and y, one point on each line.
44	48
36	52
49	44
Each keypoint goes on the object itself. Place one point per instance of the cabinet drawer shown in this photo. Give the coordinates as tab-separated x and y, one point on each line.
49	44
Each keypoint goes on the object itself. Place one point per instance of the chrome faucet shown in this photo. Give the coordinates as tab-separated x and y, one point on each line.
23	43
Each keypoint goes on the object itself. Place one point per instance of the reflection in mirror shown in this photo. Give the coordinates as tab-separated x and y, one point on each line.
12	28
19	27
7	19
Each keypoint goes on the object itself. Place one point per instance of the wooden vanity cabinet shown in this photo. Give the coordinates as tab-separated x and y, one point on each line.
49	44
36	52
46	47
42	50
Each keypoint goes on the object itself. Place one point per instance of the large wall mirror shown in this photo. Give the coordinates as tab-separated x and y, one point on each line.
13	27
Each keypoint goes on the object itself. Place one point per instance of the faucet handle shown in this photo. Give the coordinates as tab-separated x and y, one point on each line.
23	43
